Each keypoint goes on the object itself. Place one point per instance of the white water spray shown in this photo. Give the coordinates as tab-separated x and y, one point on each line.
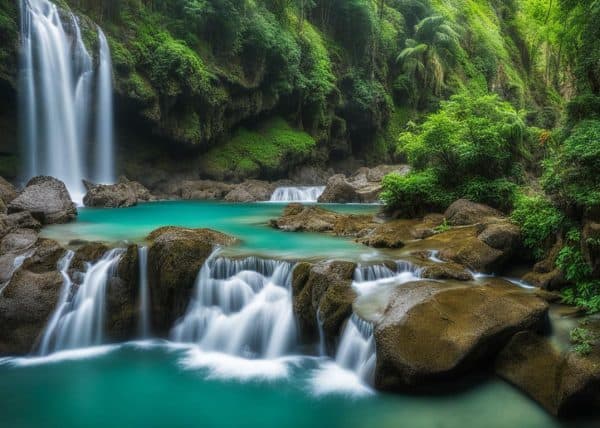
241	307
56	99
297	194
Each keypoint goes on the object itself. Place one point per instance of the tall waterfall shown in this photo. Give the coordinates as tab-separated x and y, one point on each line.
57	100
356	351
80	316
297	194
241	307
144	326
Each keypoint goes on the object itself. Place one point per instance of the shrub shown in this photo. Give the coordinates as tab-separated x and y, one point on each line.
571	172
414	194
499	193
538	220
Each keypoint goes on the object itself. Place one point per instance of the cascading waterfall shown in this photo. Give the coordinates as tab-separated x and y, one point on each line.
144	324
56	100
356	351
297	194
78	321
104	172
241	307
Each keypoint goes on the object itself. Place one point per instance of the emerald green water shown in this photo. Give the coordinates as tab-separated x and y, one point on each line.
248	222
129	386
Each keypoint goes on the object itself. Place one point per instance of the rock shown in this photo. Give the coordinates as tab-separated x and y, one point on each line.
141	193
545	274
122	304
431	332
464	212
204	190
565	383
119	195
300	218
392	234
251	191
47	199
89	252
323	291
18	241
175	256
447	270
590	245
23	220
25	306
338	190
7	191
503	236
45	258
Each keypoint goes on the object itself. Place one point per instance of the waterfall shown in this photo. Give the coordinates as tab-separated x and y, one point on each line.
356	350
241	307
297	194
56	99
79	319
144	325
104	129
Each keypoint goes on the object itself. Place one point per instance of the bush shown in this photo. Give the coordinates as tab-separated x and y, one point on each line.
469	137
538	219
500	193
571	172
415	194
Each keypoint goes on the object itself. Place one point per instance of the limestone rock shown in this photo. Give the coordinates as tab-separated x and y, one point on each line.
464	212
47	199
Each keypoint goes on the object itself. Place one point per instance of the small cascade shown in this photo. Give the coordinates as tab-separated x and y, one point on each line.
367	278
144	323
297	194
241	307
57	99
356	351
78	321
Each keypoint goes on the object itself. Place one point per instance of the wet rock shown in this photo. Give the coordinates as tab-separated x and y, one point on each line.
89	252
565	383
323	292
141	193
503	236
251	191
18	241
119	195
392	234
431	332
204	190
23	220
122	305
464	212
7	191
339	190
175	256
447	270
545	274
25	307
300	218
45	257
47	199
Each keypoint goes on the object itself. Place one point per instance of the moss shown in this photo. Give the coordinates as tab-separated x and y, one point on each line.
268	151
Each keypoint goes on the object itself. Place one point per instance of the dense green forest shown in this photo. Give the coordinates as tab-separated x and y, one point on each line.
495	101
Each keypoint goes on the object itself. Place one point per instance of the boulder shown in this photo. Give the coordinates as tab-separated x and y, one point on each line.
431	332
204	190
251	191
7	191
122	298
47	199
119	195
447	270
25	307
323	294
18	241
300	218
563	382
464	212
339	190
22	220
142	194
45	257
89	252
175	256
545	274
392	234
590	245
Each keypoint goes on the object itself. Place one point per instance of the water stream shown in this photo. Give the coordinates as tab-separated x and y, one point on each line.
297	194
144	298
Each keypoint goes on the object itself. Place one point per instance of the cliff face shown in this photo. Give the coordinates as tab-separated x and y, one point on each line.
193	79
